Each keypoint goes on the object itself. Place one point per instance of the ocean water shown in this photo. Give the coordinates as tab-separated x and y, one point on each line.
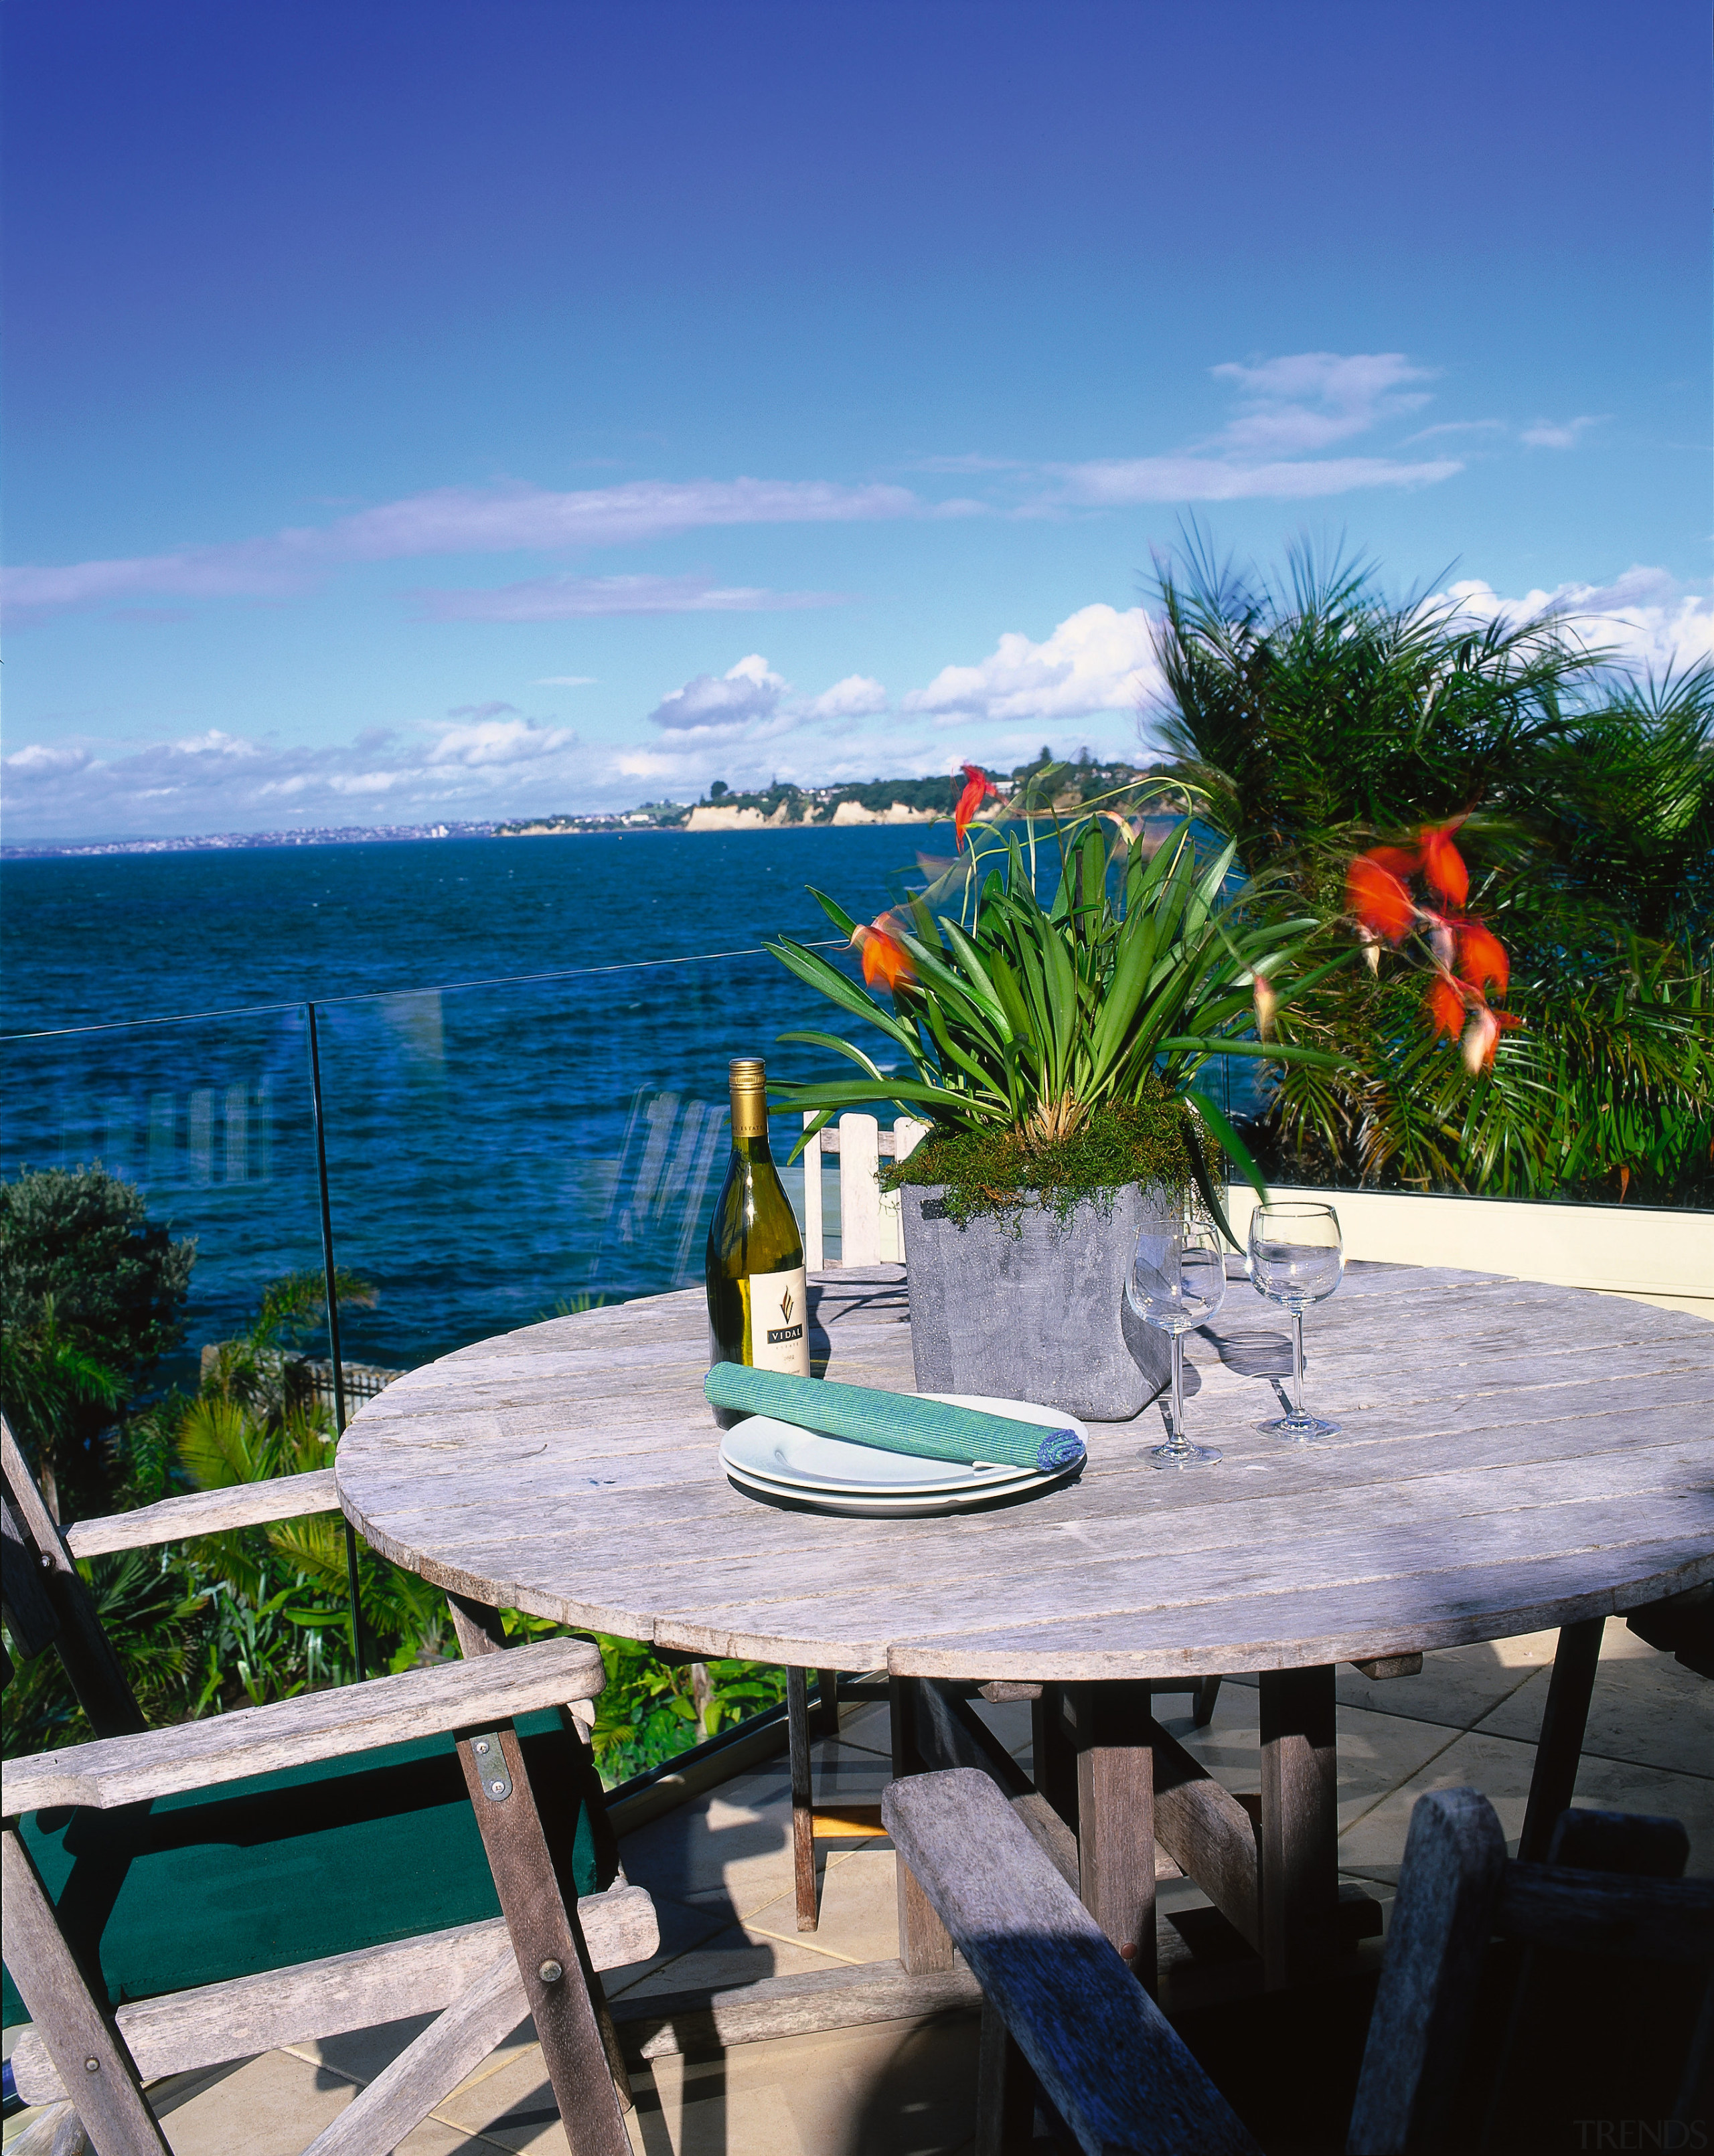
492	1149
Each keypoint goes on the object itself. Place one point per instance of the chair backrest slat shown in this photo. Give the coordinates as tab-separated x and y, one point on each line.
1455	1863
871	1226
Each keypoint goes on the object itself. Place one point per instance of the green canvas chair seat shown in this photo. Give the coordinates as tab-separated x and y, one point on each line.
294	1866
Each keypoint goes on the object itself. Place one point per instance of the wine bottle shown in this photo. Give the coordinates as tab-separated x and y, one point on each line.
757	1295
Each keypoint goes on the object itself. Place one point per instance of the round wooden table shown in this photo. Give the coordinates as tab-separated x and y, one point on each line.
1513	1457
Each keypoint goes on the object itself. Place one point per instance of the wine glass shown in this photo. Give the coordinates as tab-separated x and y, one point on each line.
1296	1257
1176	1282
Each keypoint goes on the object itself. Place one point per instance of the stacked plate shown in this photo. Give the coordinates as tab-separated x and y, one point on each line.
784	1465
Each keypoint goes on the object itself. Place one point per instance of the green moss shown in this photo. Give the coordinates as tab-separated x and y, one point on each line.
1002	1173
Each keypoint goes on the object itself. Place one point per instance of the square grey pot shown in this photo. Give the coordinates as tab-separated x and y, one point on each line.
1040	1314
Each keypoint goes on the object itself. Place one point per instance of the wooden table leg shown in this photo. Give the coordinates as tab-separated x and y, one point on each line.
924	1943
1115	1809
1299	1824
1054	1752
803	1811
1560	1746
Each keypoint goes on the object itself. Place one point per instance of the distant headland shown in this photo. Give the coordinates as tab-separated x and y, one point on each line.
778	807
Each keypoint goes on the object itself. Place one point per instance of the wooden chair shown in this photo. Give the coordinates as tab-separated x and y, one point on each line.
177	1898
1120	2079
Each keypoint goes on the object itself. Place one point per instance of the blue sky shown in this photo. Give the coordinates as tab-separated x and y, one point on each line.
421	410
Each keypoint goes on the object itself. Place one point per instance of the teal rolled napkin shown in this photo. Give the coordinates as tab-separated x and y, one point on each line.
894	1422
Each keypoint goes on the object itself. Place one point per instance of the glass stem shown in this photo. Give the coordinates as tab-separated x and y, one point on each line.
1178	1439
1297	1365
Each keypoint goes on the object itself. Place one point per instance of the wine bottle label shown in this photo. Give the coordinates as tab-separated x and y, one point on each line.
777	1322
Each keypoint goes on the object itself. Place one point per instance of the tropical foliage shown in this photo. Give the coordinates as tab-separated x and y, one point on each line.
1321	720
1026	1019
91	1296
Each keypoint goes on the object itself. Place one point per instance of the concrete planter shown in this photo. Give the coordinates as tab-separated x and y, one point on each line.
1039	1314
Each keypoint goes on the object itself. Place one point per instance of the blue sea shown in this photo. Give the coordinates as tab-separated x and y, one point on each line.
493	1150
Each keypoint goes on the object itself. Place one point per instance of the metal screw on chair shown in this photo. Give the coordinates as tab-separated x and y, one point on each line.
498	1787
481	1744
92	2066
550	1971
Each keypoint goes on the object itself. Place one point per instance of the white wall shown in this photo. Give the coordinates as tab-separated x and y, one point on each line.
1655	1254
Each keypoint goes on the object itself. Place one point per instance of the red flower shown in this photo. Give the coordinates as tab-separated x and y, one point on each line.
1482	962
1482	1036
1443	864
885	958
977	788
1446	1006
1378	898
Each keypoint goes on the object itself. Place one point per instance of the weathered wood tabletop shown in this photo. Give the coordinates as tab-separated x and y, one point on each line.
1513	1457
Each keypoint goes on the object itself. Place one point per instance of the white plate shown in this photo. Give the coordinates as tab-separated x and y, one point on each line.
850	1504
780	1453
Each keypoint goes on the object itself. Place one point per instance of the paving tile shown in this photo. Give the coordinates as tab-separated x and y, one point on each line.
512	2109
432	2138
360	2054
1645	1706
1010	1720
732	1848
733	1954
270	2107
1457	1686
900	2089
1376	1751
870	1725
859	1909
1500	1767
710	1841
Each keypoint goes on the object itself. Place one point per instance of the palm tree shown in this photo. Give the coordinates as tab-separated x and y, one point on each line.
1318	715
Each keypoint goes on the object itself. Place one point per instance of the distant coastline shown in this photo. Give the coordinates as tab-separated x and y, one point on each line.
779	807
351	834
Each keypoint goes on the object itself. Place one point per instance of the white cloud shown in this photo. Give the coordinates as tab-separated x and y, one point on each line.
1646	618
1311	399
563	598
1096	660
1290	409
1455	427
485	761
453	521
1120	482
490	739
856	697
37	760
1551	435
747	696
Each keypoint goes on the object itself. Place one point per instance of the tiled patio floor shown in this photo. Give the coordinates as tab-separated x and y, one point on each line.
720	1869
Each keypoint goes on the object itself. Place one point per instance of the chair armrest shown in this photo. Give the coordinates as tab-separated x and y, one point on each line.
206	1512
293	1732
1109	2061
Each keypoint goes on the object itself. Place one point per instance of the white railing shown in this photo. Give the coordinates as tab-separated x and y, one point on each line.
870	1231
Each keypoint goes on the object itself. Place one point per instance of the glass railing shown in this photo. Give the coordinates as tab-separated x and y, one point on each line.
495	1153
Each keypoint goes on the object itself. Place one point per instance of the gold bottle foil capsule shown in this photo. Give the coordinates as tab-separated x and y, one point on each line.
748	1079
